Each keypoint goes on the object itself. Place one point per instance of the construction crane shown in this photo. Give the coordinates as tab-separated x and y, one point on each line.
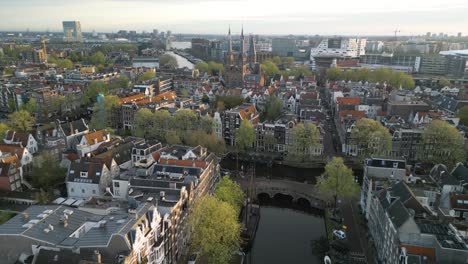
44	49
396	32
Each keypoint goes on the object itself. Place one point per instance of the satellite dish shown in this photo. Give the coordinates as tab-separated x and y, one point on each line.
327	260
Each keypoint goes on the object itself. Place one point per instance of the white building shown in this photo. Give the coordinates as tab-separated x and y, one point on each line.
145	63
339	47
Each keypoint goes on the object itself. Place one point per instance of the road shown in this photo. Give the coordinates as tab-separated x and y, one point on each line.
356	234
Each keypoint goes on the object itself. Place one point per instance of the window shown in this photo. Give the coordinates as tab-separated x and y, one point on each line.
94	191
395	164
82	190
117	184
84	174
72	190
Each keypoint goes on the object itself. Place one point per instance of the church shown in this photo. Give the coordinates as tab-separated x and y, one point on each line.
241	69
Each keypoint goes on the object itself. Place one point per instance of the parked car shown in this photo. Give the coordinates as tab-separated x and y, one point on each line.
340	234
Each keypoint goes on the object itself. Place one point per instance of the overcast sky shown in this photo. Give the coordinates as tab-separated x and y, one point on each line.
363	17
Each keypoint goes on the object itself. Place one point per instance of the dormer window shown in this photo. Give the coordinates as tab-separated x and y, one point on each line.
395	164
84	174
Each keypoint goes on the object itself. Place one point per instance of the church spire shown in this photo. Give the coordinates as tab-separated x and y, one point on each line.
229	40
252	51
242	48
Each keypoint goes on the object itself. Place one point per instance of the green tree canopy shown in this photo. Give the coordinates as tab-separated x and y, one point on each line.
273	107
3	129
97	59
142	124
31	105
245	135
334	74
338	180
168	60
230	192
21	121
269	68
93	90
120	83
147	76
371	138
229	101
305	137
443	143
444	82
47	174
101	116
65	63
215	230
463	115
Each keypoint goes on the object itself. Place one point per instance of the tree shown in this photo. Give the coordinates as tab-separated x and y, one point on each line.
65	63
101	116
334	74
205	99
370	138
97	59
273	106
93	90
215	230
337	180
56	104
443	143
215	67
31	105
269	68
463	115
47	174
3	129
185	120
230	101
161	124
230	192
206	124
245	135
202	67
143	124
184	93
21	121
172	138
305	137
168	60
444	82
147	76
122	82
288	62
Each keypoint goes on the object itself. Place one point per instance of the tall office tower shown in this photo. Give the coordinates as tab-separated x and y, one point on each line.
459	34
72	31
428	34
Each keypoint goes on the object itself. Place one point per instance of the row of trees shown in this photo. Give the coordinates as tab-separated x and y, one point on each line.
182	127
214	223
394	78
272	67
441	142
168	60
210	67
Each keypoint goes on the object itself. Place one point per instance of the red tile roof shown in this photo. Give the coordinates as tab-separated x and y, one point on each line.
348	100
98	135
353	113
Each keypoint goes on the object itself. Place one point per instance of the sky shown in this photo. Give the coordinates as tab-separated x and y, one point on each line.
310	17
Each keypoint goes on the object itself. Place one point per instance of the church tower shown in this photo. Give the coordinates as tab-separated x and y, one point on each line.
252	58
235	66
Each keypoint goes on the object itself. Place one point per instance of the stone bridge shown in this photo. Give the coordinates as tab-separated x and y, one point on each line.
299	192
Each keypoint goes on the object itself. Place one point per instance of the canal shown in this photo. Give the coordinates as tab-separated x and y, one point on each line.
286	230
285	235
181	61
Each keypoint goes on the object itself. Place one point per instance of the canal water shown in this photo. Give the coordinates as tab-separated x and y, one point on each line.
286	233
181	61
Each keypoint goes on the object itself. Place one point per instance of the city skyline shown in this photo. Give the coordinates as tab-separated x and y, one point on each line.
208	16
